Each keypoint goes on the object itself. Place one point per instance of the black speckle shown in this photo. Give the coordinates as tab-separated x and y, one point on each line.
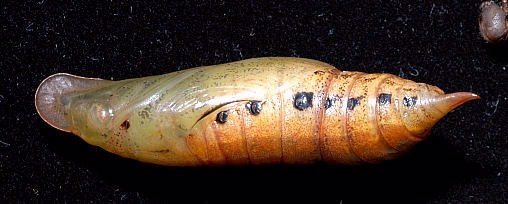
352	102
145	113
319	72
329	102
160	151
147	83
384	98
254	107
222	117
125	125
410	101
303	100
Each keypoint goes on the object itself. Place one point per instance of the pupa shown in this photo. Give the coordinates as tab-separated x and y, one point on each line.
493	21
256	111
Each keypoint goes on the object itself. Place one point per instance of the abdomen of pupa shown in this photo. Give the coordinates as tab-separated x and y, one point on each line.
255	111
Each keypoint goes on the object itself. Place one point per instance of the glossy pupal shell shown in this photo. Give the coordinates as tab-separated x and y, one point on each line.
493	21
255	111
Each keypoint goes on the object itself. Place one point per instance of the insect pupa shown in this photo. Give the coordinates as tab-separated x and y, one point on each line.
493	21
255	111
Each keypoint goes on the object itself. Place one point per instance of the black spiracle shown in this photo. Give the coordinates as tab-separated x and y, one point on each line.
254	107
303	100
222	117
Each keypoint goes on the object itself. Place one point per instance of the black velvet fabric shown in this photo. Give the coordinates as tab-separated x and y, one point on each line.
436	42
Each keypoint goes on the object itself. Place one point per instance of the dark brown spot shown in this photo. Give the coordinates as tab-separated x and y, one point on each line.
222	117
384	98
125	125
254	107
319	72
303	100
144	113
161	151
409	101
352	102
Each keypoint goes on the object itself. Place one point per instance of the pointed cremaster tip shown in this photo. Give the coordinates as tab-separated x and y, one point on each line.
448	102
436	107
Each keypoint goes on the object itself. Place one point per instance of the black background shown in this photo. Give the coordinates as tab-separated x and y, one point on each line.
463	161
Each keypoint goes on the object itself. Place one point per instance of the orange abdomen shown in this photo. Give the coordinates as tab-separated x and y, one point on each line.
332	116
